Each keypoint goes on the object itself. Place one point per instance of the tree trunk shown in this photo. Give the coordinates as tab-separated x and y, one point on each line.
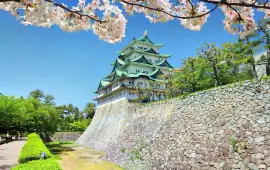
254	71
194	87
171	90
268	56
236	72
216	75
193	78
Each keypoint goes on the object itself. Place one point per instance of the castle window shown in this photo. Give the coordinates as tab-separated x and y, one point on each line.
137	71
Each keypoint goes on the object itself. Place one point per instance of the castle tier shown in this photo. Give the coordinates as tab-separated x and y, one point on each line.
139	62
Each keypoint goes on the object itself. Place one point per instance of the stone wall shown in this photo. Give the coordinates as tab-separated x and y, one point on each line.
224	128
66	136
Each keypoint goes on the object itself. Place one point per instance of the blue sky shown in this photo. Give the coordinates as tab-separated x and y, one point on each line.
70	65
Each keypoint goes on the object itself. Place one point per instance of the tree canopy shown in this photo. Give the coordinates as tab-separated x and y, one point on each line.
38	113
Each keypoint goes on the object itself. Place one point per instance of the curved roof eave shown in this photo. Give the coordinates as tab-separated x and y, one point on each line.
135	50
164	61
141	56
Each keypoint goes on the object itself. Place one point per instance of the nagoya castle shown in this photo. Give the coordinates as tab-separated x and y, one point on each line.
135	65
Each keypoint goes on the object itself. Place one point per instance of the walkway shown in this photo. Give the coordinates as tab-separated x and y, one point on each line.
9	154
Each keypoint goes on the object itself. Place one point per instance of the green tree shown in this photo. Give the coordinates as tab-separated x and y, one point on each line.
234	56
49	99
193	72
89	109
37	94
167	80
76	113
80	125
249	47
211	54
263	35
144	92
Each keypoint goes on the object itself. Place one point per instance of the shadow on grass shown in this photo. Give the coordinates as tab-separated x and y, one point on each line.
59	148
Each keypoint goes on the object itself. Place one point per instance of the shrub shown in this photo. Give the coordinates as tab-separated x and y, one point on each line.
45	164
80	125
33	149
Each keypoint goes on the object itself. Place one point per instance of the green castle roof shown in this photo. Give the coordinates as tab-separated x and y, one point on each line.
149	52
119	65
164	63
145	39
117	74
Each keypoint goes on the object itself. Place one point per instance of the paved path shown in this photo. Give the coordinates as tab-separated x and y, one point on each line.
9	154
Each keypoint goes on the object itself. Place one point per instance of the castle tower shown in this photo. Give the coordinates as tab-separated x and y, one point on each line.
137	63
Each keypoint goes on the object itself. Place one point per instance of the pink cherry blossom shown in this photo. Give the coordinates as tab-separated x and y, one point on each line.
107	19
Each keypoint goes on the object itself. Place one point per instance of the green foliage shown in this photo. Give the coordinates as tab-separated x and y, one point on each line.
234	144
238	147
37	94
233	62
80	125
135	154
47	164
266	78
32	149
123	150
146	91
89	110
39	114
71	119
19	115
49	99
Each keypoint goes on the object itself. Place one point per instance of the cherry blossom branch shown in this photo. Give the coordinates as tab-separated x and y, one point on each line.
10	0
65	8
239	15
167	13
74	12
242	4
189	1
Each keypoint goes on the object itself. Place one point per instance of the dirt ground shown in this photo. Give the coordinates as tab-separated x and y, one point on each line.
85	159
9	154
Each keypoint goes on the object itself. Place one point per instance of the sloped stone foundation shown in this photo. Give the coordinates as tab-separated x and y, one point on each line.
223	128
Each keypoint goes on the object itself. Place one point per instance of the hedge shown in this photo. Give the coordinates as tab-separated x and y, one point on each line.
32	149
43	164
